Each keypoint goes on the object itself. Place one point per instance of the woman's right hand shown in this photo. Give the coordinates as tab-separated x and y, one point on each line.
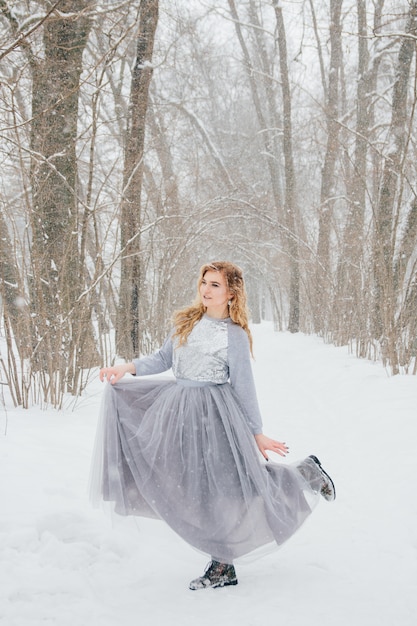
116	372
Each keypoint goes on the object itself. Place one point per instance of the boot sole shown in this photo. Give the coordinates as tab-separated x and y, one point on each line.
217	586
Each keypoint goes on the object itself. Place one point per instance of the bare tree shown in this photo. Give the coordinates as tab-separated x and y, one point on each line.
54	215
270	124
327	192
128	322
350	302
386	291
290	207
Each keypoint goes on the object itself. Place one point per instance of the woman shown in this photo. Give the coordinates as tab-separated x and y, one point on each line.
186	450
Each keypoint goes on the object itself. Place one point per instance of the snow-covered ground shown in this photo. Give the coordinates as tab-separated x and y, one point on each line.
64	563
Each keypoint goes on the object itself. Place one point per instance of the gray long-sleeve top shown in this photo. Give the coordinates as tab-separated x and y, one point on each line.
217	351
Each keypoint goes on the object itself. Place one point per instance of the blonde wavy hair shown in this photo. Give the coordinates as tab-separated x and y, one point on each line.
185	319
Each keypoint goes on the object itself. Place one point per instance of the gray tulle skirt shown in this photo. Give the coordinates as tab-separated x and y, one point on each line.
183	453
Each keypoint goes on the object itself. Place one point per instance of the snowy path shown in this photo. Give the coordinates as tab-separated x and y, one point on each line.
354	562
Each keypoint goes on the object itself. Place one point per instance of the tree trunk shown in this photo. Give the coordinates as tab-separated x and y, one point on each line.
386	293
327	192
349	316
128	342
54	216
290	191
12	293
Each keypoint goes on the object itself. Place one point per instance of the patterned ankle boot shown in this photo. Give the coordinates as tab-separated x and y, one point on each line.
319	480
216	575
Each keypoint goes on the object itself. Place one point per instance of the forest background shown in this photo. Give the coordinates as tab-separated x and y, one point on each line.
139	139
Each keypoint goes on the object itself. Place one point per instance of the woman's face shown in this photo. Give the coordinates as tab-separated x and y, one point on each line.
215	294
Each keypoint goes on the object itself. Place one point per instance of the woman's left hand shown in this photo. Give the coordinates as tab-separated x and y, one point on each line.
264	443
